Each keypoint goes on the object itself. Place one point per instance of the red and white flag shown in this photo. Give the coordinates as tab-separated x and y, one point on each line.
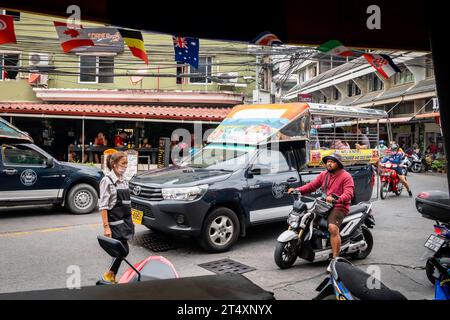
72	38
7	34
383	64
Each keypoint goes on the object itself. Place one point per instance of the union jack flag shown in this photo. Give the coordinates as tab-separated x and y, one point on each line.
179	42
186	50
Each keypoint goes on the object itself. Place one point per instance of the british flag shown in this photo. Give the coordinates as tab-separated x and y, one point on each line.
186	50
179	42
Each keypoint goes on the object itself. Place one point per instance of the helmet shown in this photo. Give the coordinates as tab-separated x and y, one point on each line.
336	157
394	147
381	142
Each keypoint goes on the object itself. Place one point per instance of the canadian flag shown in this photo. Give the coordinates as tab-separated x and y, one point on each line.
72	38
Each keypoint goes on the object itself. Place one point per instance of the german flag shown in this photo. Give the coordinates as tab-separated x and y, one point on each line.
135	42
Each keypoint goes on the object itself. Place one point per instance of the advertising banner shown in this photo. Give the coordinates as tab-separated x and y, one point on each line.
352	156
251	124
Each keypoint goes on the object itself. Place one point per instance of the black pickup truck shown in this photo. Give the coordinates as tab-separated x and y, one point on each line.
224	189
30	176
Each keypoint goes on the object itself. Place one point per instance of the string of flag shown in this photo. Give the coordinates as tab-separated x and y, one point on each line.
187	49
382	63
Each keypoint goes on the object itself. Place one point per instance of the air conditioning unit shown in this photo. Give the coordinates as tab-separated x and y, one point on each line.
38	61
38	79
229	77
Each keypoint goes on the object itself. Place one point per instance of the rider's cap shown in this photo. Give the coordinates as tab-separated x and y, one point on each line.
336	157
394	146
381	142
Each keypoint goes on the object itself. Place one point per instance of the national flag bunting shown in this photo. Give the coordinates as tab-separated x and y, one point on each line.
383	64
71	38
135	42
7	34
335	48
186	50
266	39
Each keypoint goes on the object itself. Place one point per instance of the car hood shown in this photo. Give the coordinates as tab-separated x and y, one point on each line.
180	177
81	167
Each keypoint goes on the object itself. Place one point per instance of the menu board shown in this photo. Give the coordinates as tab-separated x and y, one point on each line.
132	167
163	152
105	157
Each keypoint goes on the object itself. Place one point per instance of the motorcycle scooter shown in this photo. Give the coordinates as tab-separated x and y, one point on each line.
435	205
347	282
152	268
308	238
390	181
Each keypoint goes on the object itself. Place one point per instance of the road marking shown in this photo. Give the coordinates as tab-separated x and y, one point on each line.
47	230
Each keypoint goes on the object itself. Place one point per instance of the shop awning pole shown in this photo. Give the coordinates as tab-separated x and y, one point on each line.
82	141
379	158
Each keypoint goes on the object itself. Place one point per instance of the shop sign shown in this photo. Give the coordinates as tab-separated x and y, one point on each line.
105	40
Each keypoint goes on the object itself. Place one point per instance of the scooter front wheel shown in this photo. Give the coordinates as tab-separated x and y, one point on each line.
384	190
285	254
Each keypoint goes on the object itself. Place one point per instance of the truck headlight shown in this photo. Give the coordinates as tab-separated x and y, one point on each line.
184	194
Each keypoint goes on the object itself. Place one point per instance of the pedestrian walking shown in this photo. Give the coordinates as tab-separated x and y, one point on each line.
115	208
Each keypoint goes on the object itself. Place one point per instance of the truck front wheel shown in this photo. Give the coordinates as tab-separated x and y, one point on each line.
81	199
220	230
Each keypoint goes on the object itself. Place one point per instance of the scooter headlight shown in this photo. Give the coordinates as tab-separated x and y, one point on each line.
293	221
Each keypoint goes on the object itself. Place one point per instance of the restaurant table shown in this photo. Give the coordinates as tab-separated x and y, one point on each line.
91	150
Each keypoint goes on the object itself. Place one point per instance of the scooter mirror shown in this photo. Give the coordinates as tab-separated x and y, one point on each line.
113	247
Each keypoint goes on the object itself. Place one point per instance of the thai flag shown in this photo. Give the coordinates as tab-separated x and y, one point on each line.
267	39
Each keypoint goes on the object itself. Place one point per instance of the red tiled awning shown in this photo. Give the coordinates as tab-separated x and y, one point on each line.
428	115
117	111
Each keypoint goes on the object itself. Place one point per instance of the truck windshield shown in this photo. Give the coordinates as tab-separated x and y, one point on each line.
221	157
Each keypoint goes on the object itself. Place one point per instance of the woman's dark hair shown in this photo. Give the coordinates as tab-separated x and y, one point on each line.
114	159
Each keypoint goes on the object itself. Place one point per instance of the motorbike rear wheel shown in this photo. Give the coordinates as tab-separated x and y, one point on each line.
369	240
285	254
416	168
399	189
429	267
384	190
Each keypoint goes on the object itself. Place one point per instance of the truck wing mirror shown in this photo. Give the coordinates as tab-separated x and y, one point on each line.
49	163
257	170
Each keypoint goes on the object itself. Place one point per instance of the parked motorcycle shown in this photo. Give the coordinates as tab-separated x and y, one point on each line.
152	268
407	164
308	238
435	205
390	181
416	163
347	282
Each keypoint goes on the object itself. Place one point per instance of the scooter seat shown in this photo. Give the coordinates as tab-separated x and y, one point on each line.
356	280
360	207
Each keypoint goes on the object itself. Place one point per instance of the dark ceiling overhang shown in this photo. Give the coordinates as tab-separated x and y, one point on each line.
403	22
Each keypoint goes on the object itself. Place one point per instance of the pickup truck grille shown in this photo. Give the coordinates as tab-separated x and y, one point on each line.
143	208
146	193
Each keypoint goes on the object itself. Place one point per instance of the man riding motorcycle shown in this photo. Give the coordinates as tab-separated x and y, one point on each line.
334	181
396	157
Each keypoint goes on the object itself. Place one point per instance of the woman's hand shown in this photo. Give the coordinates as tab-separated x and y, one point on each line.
107	232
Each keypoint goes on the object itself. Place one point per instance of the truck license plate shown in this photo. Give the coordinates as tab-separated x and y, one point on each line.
137	216
434	243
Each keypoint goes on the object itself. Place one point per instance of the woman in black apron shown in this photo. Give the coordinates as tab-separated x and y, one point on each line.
115	207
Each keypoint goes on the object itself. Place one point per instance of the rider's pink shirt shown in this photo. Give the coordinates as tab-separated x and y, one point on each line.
340	184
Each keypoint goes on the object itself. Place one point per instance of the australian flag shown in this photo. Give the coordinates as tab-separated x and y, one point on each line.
186	50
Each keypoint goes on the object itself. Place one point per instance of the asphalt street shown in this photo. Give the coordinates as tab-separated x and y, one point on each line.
39	245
